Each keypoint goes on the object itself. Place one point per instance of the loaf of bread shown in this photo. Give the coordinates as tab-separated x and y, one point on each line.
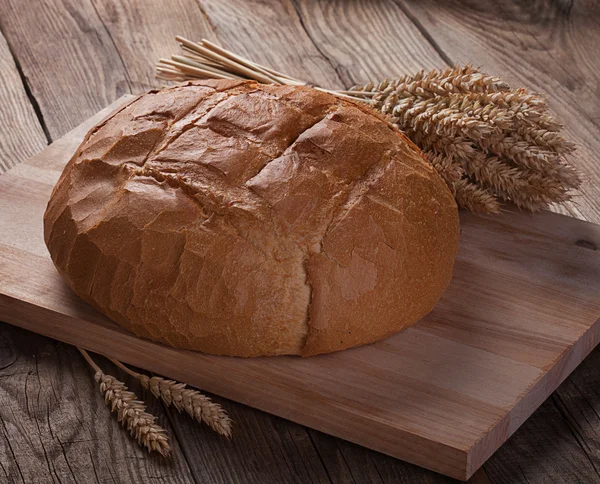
243	219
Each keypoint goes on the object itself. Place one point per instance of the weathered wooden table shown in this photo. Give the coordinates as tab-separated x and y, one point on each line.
63	60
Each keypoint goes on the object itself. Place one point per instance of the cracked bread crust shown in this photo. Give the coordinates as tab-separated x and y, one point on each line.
241	219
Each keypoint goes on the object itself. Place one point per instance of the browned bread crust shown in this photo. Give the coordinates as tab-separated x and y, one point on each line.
242	219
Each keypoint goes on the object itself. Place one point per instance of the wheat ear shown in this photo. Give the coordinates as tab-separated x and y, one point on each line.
131	413
197	405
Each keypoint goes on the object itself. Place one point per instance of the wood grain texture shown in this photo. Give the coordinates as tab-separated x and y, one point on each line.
264	449
21	135
348	462
565	433
143	32
367	41
443	394
55	427
64	47
274	450
548	46
556	453
272	33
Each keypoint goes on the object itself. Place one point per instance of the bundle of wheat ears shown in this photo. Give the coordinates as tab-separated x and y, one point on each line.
142	426
489	142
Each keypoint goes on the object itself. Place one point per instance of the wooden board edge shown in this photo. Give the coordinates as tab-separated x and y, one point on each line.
138	352
533	398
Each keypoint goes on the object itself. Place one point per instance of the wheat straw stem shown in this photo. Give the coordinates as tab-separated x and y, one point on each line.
193	63
342	94
247	62
211	61
167	70
224	61
355	94
88	358
277	77
126	369
203	72
192	54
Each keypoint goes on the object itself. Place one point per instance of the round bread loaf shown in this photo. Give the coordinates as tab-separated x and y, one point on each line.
245	220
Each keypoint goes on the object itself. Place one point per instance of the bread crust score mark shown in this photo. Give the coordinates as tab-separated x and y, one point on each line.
241	210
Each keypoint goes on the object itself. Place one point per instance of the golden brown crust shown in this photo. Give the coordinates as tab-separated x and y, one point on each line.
245	220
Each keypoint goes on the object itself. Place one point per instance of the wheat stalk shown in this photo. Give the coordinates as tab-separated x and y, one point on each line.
131	413
489	142
197	405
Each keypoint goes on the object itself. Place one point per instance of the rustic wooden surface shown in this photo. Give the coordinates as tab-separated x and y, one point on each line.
63	60
482	369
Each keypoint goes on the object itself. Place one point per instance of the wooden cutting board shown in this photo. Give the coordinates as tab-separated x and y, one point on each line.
521	313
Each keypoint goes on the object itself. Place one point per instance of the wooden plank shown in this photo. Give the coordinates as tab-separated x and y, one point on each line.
21	135
550	47
544	265
267	449
140	43
67	56
270	32
55	427
143	32
367	40
264	449
340	468
578	401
